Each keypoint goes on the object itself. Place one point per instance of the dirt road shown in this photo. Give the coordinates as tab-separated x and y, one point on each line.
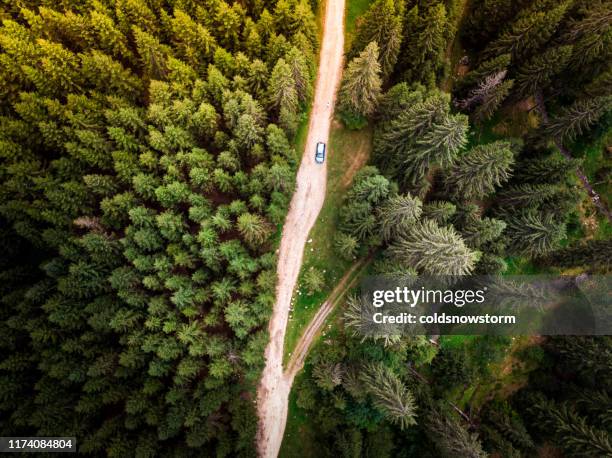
273	391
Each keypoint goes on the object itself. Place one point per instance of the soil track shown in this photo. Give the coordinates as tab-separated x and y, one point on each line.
273	391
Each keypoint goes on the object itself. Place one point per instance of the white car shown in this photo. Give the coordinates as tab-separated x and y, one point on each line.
320	153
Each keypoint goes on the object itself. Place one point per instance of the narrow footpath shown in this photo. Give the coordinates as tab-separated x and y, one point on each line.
273	391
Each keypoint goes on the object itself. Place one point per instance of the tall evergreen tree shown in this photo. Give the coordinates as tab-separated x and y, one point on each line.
361	83
382	24
397	214
540	70
433	250
390	394
480	170
533	234
577	118
532	28
450	436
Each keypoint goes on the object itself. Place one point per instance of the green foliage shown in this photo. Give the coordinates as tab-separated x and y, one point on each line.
397	215
577	118
426	133
390	394
450	436
381	24
534	234
361	83
314	280
478	172
433	250
142	172
358	217
427	31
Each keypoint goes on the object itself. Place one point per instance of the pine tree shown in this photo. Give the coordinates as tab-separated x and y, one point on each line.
346	245
328	375
590	37
575	435
300	72
439	211
577	118
425	36
593	254
533	234
540	70
492	101
482	230
480	170
397	214
532	29
484	90
550	169
433	250
390	394
282	88
527	196
440	145
488	67
381	24
423	135
450	437
361	84
314	280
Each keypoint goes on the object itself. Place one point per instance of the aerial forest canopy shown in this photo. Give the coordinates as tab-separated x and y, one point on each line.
146	163
491	140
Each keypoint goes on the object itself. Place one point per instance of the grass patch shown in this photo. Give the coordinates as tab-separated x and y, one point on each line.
354	9
454	341
299	437
348	151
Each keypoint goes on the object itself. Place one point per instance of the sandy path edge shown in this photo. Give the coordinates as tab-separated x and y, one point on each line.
307	200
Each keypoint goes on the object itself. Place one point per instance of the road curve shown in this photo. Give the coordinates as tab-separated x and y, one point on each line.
273	391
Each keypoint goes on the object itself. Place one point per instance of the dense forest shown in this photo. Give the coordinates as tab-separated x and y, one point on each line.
146	166
484	115
146	163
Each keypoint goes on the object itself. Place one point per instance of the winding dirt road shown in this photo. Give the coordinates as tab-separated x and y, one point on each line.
273	391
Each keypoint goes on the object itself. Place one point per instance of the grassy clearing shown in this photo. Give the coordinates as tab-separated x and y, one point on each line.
348	151
299	437
354	9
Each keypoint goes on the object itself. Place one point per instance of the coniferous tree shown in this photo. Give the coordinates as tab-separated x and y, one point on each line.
314	280
539	71
423	135
532	28
577	118
382	24
593	254
439	211
573	432
450	437
346	245
480	170
533	234
433	250
397	214
390	394
426	30
361	84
